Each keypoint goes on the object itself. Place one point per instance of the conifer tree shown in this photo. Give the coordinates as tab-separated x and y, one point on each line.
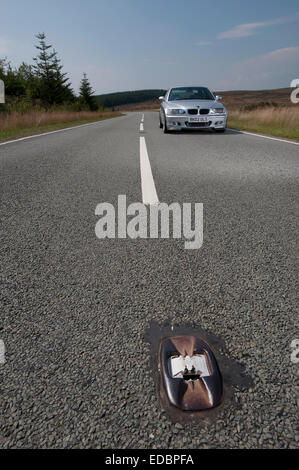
86	93
63	89
53	85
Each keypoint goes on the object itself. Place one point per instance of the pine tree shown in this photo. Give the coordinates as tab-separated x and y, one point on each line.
86	93
63	91
53	85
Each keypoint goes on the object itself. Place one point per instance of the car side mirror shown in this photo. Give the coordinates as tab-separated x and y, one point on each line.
161	98
218	98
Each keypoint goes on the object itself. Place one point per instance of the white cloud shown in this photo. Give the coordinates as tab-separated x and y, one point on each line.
282	54
241	31
278	66
250	29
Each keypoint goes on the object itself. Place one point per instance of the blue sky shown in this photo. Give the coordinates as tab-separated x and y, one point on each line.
135	44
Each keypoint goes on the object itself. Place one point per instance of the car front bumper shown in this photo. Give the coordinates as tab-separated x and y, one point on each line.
210	121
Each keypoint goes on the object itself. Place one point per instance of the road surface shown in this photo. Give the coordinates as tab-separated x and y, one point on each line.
74	309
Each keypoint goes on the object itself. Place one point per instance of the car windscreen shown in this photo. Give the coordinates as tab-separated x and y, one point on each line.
190	93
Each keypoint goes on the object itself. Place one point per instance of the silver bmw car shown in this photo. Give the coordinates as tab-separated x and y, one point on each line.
191	108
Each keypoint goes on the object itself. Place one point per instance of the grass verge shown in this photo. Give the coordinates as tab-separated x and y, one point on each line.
17	125
278	122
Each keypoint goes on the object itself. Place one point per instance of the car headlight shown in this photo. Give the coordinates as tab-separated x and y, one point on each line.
176	112
217	110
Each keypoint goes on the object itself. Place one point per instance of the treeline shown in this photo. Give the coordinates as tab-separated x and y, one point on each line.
126	97
44	84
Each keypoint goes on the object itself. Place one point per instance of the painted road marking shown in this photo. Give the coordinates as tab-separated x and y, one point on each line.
149	193
52	132
264	136
142	124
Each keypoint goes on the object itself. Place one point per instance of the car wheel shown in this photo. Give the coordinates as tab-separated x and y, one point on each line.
161	125
220	130
165	128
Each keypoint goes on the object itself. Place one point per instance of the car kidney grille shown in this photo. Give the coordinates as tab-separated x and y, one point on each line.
204	111
192	111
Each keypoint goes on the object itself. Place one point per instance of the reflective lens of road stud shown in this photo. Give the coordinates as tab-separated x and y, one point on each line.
190	376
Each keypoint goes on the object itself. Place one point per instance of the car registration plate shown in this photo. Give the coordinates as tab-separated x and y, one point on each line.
198	119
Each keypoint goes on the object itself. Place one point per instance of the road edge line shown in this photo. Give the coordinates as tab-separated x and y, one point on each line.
54	132
263	136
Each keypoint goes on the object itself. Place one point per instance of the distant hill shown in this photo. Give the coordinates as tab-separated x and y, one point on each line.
128	97
256	98
236	99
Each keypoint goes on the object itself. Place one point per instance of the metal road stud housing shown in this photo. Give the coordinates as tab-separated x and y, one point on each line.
190	376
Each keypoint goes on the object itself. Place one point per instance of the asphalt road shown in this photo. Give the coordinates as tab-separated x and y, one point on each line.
74	309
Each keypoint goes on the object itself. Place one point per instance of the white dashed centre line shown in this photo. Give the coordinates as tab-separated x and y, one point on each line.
149	193
142	124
